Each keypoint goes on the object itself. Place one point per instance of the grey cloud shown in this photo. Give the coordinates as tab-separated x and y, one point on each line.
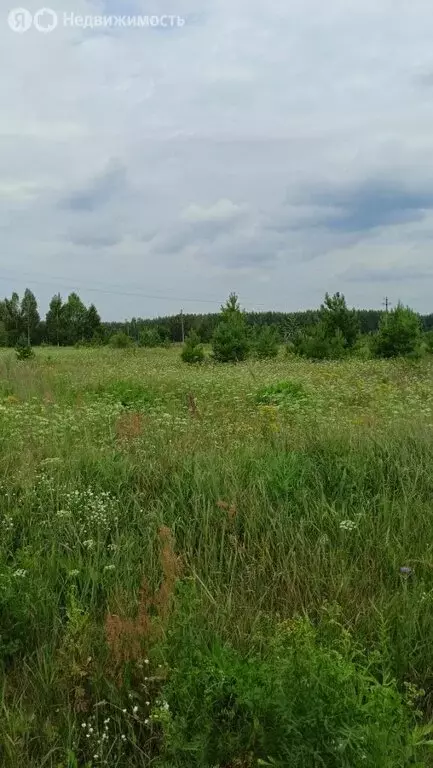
371	204
98	191
308	116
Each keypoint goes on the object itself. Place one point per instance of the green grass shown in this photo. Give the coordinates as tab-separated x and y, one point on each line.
289	520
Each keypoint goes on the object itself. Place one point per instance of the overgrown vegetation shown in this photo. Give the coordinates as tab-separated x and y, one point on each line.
193	351
215	565
69	322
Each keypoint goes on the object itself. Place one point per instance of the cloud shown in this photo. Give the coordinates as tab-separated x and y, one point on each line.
98	191
223	210
371	204
280	150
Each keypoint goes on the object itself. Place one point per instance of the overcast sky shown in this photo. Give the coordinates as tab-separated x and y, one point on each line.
278	149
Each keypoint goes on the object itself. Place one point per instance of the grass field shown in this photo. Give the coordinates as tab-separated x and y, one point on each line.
216	565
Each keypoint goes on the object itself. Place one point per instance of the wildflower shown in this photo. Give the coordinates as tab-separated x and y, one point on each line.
134	710
20	573
109	567
348	525
89	544
74	572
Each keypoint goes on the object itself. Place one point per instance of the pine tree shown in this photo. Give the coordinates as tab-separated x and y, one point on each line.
230	341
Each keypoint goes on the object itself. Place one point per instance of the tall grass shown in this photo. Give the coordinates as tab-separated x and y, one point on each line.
148	553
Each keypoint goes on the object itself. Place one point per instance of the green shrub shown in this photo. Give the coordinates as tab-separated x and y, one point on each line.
230	342
120	341
428	341
317	344
298	703
130	394
23	349
282	393
399	333
193	351
266	342
149	337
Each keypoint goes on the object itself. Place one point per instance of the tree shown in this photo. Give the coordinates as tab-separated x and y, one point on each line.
73	316
335	316
29	315
230	341
399	333
12	319
53	321
266	342
193	351
92	324
231	308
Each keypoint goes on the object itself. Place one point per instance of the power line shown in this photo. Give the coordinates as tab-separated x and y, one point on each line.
54	281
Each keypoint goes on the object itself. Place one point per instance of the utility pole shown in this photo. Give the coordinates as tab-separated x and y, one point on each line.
386	303
183	326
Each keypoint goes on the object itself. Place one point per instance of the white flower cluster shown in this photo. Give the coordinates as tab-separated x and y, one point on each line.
348	525
98	742
93	512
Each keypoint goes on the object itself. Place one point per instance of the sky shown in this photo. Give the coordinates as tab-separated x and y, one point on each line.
279	150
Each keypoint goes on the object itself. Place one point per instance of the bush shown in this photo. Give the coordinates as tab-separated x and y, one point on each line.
230	342
130	394
399	333
149	337
428	341
193	351
120	341
299	703
23	349
317	344
266	342
283	393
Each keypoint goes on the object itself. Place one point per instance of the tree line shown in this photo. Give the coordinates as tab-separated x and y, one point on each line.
66	323
69	322
333	335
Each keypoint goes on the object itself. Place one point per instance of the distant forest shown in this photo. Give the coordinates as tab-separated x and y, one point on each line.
287	323
70	322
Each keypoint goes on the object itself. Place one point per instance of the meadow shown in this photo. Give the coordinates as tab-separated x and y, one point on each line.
216	565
